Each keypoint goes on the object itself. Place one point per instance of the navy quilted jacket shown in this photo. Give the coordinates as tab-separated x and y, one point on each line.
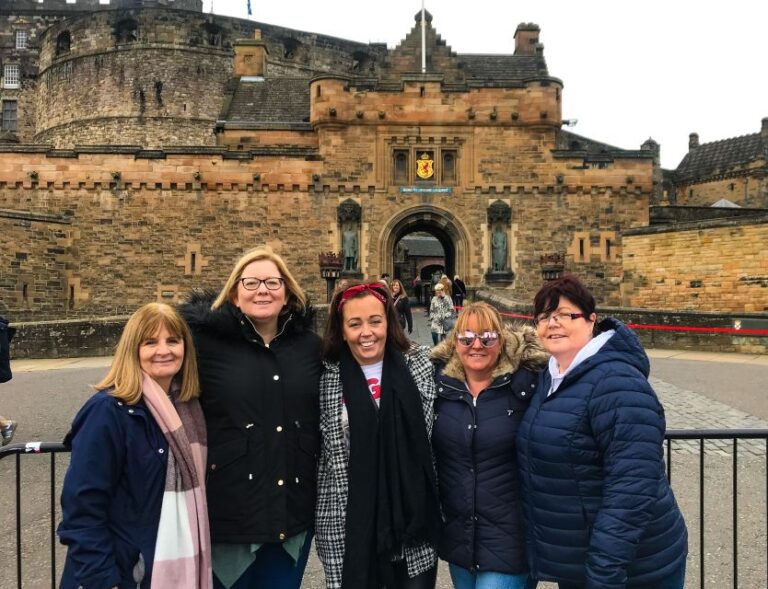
598	509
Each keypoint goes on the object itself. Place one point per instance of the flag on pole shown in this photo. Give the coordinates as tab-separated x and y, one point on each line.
249	8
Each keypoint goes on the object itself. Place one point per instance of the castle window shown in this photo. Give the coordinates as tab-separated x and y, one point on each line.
213	35
20	39
290	46
401	167
731	187
9	115
449	167
11	76
127	31
63	43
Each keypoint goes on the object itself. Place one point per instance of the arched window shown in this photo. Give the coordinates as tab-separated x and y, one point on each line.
401	167
449	167
63	43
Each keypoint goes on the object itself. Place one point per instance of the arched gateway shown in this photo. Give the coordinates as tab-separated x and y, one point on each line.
439	222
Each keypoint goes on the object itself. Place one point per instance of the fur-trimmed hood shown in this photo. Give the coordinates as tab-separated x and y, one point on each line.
522	349
226	320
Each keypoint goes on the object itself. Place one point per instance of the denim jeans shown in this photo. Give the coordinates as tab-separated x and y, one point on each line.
466	579
273	568
674	581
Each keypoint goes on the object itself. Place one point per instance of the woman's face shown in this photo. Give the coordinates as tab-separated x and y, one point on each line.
261	305
562	336
477	359
364	322
161	356
395	288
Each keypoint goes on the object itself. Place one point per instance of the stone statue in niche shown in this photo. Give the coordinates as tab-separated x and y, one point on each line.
349	246
499	250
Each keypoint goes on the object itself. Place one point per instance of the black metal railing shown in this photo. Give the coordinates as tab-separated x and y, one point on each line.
734	435
675	440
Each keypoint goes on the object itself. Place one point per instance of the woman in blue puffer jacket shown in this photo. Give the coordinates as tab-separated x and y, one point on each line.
486	375
599	511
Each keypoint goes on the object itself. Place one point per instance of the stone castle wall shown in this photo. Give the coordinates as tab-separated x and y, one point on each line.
746	189
707	266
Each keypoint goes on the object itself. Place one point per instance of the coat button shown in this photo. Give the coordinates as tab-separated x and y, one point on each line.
297	480
522	394
469	426
161	451
276	377
281	536
279	428
213	467
130	410
280	483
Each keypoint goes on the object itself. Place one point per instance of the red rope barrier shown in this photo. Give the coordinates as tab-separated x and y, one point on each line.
690	328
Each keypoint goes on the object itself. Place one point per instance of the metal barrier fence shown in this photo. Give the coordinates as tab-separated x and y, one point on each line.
674	439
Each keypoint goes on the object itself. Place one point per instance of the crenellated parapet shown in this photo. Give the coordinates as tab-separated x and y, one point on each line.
69	7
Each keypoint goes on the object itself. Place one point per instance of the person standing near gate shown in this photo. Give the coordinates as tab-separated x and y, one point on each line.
7	426
259	364
459	291
598	508
134	512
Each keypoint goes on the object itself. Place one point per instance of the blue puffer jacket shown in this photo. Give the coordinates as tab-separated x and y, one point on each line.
599	511
474	445
112	494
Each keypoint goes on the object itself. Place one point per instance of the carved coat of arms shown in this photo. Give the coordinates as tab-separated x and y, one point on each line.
425	167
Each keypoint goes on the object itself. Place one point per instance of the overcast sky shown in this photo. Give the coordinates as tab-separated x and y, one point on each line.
631	70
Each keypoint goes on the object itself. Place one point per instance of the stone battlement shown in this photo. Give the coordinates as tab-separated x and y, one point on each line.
22	6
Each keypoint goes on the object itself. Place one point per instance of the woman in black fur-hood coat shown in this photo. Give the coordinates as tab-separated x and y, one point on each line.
260	396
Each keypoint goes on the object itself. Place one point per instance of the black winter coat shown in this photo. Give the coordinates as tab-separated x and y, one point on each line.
6	335
474	445
261	406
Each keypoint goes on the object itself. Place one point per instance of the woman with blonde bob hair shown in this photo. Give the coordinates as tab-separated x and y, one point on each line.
486	373
134	511
259	365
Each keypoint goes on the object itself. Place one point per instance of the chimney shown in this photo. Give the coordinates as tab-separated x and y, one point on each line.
693	141
764	129
251	56
526	38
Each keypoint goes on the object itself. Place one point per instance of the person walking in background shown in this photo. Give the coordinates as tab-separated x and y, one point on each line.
7	426
459	291
133	502
440	314
259	366
377	513
448	286
402	306
486	374
599	511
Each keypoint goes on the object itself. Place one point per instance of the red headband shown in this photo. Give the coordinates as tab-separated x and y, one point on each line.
354	291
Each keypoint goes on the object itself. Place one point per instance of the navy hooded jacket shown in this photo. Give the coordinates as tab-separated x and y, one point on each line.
598	508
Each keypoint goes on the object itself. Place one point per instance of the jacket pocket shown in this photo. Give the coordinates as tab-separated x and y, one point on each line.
225	454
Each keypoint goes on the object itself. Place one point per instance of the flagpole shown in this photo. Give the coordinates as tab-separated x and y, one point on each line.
423	40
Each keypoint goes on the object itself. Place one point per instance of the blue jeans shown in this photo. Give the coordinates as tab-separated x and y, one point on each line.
466	579
675	581
273	568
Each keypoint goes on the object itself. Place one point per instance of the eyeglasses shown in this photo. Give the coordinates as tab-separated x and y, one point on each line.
254	283
488	339
558	318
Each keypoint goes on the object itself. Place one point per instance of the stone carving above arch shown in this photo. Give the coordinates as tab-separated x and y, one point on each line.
349	210
499	212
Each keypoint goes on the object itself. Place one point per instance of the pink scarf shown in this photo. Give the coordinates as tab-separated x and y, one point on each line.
183	548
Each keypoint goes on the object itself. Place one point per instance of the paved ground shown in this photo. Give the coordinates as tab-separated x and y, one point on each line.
698	390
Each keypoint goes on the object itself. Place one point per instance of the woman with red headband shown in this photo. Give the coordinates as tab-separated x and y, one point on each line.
377	518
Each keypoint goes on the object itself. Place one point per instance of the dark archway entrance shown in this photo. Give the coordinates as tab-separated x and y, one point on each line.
439	227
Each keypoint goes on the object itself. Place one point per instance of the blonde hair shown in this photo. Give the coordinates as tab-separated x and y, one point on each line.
296	299
487	317
124	377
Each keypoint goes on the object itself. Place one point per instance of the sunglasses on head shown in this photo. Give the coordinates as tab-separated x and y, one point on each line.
488	339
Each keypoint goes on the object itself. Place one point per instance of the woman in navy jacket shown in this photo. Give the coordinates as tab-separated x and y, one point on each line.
599	511
113	490
486	375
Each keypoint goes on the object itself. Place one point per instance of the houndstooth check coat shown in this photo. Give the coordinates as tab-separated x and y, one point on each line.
332	479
